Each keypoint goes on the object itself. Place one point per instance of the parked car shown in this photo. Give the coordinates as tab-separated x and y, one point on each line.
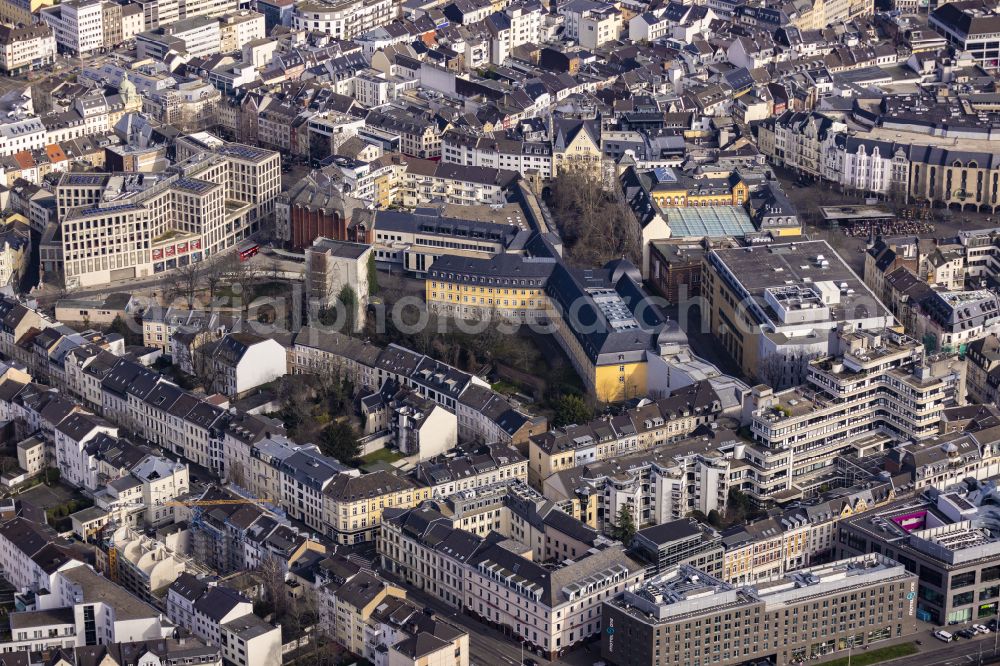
943	635
980	629
965	633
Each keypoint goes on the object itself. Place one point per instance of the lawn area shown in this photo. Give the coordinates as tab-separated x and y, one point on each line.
864	658
382	455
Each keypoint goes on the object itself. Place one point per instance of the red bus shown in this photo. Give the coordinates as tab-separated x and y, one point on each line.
247	249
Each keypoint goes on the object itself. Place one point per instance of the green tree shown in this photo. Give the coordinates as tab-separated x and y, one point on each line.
625	529
349	298
572	409
715	518
930	343
127	329
739	506
339	440
372	276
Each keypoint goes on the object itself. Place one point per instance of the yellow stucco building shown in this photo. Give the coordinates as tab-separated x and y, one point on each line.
685	191
594	314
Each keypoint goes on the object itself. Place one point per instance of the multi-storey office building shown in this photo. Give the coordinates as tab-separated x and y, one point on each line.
774	308
971	27
117	226
681	541
78	25
688	617
878	388
946	540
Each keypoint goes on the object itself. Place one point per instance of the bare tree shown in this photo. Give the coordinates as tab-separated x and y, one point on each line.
272	578
186	281
7	464
597	224
215	272
274	270
244	277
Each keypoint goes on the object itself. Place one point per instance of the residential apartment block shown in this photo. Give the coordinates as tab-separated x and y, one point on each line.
876	389
506	583
659	422
26	48
345	19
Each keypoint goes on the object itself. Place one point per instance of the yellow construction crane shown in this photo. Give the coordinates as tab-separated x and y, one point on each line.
190	503
216	502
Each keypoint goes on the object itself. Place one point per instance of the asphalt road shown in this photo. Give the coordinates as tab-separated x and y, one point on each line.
964	653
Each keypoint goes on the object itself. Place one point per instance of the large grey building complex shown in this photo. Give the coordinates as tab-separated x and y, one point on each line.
944	538
773	308
689	618
131	225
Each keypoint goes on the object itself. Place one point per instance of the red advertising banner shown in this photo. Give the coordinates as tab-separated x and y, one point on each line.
182	247
170	251
157	253
196	244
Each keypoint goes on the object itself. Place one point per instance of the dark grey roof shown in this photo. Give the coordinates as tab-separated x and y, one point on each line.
218	602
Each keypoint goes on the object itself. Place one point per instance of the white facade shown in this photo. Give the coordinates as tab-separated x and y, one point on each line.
263	361
345	19
27	48
78	24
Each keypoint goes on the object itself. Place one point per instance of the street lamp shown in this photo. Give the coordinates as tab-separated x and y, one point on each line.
522	653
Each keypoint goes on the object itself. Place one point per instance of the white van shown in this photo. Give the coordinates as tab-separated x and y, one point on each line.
942	635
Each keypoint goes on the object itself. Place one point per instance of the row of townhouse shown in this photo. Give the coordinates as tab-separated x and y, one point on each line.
165	652
89	114
948	459
540	592
471	468
523	156
230	538
372	617
31	554
568	143
222	616
251	451
482	414
802	535
131	483
931	172
329	497
653	423
317	490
